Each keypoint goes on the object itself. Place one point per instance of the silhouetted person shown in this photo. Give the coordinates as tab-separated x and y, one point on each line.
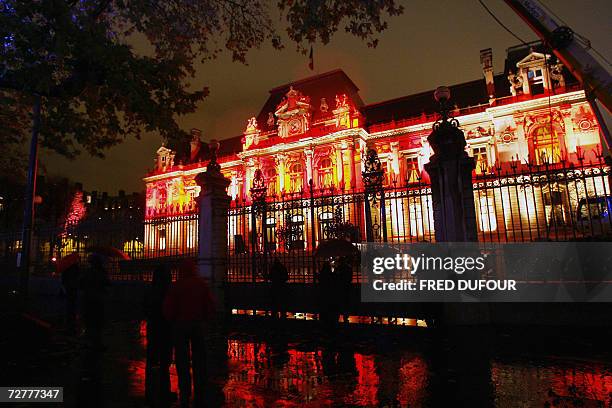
344	279
328	311
278	278
70	282
94	284
159	339
188	306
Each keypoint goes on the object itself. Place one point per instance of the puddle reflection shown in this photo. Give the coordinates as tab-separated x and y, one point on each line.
277	374
266	375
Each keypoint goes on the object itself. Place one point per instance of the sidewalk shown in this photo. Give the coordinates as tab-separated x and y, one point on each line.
37	353
263	363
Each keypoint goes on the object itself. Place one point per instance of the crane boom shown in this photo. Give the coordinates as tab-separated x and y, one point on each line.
594	77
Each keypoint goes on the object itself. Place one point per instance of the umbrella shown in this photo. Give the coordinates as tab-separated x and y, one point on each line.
67	261
110	252
336	247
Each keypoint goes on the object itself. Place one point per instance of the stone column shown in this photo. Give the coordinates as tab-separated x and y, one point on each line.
450	170
308	153
348	160
212	223
395	159
339	166
352	164
280	170
358	151
249	172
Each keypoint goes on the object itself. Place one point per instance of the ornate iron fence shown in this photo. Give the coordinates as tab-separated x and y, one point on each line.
172	236
549	202
520	202
291	226
517	204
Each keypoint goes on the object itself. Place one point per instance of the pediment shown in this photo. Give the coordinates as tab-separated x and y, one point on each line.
532	58
163	150
293	103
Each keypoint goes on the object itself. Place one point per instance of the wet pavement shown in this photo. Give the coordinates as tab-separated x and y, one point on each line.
298	364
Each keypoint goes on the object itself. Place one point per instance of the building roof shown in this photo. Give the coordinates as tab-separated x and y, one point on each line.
470	95
326	85
467	94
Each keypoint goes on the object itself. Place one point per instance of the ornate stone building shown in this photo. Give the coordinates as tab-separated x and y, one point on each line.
318	129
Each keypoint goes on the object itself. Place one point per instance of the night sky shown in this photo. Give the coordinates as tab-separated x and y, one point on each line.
433	43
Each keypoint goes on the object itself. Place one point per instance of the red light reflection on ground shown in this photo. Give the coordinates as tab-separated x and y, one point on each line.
136	368
519	384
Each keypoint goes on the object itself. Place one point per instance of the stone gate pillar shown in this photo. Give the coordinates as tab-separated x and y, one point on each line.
450	170
212	224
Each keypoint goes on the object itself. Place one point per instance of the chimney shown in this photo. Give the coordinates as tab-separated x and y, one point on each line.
195	144
486	61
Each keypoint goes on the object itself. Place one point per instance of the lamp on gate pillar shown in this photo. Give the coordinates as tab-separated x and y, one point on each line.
373	176
450	170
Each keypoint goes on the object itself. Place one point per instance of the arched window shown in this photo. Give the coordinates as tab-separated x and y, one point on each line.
296	177
545	145
325	172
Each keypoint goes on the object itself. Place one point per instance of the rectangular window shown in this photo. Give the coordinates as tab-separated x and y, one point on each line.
191	235
486	214
162	238
536	81
480	156
412	170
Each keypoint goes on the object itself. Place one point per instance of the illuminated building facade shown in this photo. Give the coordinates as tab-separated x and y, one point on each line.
530	120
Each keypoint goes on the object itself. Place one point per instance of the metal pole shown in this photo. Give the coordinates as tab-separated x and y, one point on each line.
28	214
383	214
313	237
368	217
253	242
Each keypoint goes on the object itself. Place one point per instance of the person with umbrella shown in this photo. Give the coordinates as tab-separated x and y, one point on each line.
334	285
188	306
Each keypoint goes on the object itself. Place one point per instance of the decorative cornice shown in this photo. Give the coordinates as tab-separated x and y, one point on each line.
489	114
574	96
197	170
303	143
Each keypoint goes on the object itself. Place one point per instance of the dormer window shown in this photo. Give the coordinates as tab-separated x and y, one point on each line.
533	76
536	81
165	158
